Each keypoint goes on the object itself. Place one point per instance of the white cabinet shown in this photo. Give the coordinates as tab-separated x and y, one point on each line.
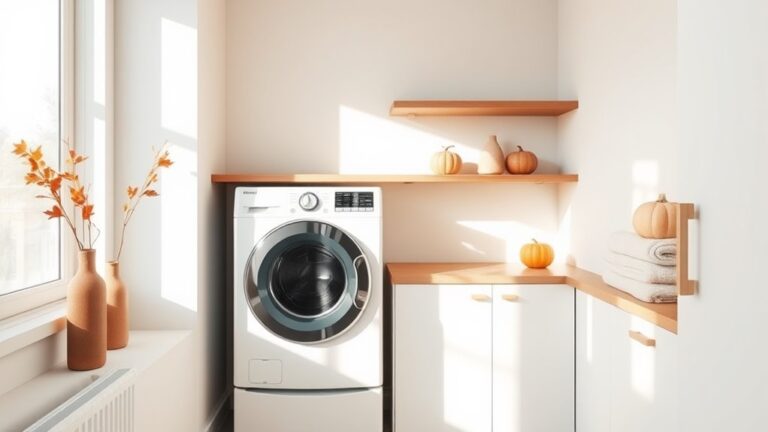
623	385
442	357
482	357
533	358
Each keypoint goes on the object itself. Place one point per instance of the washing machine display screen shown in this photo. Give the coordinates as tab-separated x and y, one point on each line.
354	201
308	280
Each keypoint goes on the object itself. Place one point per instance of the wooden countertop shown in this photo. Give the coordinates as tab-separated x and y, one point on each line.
662	315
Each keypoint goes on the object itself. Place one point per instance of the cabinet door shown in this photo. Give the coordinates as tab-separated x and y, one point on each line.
442	358
593	364
644	379
533	358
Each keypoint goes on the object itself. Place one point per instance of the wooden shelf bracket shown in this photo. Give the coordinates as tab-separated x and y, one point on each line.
685	285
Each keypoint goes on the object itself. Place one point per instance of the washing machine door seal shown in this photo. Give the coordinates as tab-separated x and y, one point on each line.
307	281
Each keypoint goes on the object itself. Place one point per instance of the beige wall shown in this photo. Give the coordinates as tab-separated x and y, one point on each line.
309	85
619	59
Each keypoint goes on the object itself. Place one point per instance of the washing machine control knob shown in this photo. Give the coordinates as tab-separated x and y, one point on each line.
308	201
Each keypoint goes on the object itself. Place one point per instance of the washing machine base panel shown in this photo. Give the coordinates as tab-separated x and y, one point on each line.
353	410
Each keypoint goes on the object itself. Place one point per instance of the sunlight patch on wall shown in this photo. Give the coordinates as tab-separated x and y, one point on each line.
513	234
99	193
562	241
369	144
178	71
645	179
178	229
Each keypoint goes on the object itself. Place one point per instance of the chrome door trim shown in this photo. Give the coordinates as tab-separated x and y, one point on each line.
301	328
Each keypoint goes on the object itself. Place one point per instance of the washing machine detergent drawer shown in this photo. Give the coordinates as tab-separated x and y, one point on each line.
354	410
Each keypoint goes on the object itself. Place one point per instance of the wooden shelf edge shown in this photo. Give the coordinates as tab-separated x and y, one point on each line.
548	108
661	315
377	179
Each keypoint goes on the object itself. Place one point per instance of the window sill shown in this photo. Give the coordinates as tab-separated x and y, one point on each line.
29	327
30	401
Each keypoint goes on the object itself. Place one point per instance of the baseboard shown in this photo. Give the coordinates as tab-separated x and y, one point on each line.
219	415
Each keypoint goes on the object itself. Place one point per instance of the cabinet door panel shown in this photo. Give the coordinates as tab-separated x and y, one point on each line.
593	364
442	358
533	358
644	378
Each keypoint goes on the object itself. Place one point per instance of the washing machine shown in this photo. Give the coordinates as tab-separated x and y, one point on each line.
308	309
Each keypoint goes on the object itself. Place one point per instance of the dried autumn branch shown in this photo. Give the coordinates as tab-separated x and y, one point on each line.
136	193
43	175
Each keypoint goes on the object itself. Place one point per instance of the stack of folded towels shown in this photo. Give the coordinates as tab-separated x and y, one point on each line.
644	268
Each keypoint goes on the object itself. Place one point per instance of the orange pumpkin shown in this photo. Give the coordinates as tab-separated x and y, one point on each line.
522	162
445	162
656	219
537	255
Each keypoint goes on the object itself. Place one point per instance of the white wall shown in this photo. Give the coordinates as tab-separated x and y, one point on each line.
169	85
618	58
309	86
723	79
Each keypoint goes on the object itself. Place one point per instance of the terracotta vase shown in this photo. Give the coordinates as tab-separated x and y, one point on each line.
86	316
491	159
117	308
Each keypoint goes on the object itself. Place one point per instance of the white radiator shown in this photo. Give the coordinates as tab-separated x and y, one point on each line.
104	406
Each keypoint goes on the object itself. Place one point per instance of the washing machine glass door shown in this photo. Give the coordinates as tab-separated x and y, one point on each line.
307	281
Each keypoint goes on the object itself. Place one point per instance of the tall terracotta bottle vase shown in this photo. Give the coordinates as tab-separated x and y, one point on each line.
86	316
491	159
117	308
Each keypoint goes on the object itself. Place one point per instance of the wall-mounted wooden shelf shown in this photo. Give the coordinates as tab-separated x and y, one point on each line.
481	108
379	179
662	315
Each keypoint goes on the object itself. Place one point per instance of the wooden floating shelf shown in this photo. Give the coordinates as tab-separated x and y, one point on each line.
662	315
379	179
549	108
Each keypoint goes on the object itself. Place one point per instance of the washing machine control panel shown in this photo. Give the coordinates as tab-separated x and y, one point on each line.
354	201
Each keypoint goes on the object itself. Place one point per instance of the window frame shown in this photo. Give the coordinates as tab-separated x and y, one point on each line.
29	298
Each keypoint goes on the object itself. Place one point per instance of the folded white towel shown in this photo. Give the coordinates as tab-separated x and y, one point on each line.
655	251
647	292
640	270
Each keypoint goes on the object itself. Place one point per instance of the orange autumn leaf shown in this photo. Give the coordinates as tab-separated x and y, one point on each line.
33	165
69	176
20	148
48	173
54	212
75	158
78	195
164	161
150	193
55	185
36	154
126	207
87	212
132	192
32	178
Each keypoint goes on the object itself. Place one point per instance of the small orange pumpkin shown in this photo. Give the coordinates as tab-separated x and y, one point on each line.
537	255
522	162
446	162
656	219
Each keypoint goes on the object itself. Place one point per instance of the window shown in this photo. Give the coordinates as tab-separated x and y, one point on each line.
34	251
